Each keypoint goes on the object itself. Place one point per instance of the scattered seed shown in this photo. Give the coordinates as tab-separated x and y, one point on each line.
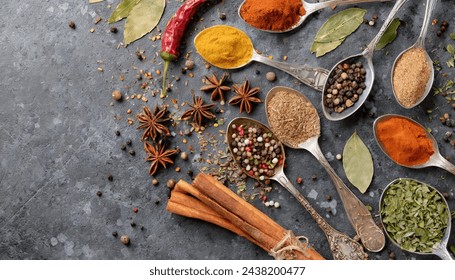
123	147
110	177
135	210
184	156
92	30
338	156
155	182
314	177
132	152
99	193
170	184
128	111
299	180
72	25
113	29
270	76
117	95
189	64
276	205
125	239
133	224
117	132
178	169
222	16
328	197
158	72
190	173
129	142
114	234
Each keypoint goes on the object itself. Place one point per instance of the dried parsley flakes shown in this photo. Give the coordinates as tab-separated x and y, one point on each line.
414	215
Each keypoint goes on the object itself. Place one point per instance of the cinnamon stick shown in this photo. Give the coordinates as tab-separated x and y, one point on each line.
188	206
228	199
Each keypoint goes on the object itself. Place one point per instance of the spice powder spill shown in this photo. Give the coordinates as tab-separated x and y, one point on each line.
292	118
410	76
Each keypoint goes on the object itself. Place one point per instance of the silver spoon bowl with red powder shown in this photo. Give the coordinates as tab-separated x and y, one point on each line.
435	159
301	14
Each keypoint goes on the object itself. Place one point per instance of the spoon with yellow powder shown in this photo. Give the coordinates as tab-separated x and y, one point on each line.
279	16
412	71
227	47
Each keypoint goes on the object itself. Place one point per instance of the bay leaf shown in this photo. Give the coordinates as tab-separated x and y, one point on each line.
358	163
450	49
142	19
123	10
389	35
452	36
335	30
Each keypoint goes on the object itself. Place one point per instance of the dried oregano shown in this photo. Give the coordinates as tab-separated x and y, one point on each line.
414	215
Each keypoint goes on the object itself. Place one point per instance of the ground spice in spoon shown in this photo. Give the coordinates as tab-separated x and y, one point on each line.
410	76
276	15
292	118
404	141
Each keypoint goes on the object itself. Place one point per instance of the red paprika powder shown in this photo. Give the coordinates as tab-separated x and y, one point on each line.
404	141
273	15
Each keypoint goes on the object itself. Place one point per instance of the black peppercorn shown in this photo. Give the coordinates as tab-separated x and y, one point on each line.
122	147
72	25
222	16
99	193
128	142
133	224
113	29
110	177
114	234
132	152
117	132
439	33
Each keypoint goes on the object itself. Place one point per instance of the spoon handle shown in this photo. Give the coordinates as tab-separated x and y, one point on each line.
431	4
441	251
370	48
370	234
313	7
444	164
312	76
342	246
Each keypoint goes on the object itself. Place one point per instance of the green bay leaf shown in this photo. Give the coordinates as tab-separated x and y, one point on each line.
389	35
123	10
323	48
358	163
452	36
142	19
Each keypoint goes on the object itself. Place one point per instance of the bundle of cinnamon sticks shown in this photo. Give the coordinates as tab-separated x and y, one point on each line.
209	200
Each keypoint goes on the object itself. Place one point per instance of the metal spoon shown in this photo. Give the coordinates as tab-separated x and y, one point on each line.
440	249
310	8
436	159
360	217
342	246
366	58
420	44
312	76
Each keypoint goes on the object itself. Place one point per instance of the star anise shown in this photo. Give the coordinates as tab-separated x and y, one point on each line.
198	111
158	155
152	122
216	86
245	96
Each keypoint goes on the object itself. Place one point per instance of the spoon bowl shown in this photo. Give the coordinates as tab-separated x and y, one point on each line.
342	246
439	249
359	216
366	57
436	159
310	8
314	77
420	43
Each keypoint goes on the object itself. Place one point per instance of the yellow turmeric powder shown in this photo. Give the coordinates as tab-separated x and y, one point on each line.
224	46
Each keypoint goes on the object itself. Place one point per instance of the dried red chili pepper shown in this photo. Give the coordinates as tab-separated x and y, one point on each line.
170	42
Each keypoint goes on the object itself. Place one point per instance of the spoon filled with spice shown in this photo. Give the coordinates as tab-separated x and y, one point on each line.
416	217
279	16
351	79
412	71
408	143
227	47
260	155
295	122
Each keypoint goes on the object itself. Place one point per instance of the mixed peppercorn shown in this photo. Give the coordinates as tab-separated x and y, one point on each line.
256	151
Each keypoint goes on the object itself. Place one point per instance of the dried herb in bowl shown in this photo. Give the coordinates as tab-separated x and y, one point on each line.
414	215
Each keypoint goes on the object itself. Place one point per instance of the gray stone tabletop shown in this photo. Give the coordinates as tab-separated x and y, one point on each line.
58	124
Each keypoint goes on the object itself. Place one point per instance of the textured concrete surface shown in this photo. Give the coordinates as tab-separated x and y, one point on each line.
58	142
